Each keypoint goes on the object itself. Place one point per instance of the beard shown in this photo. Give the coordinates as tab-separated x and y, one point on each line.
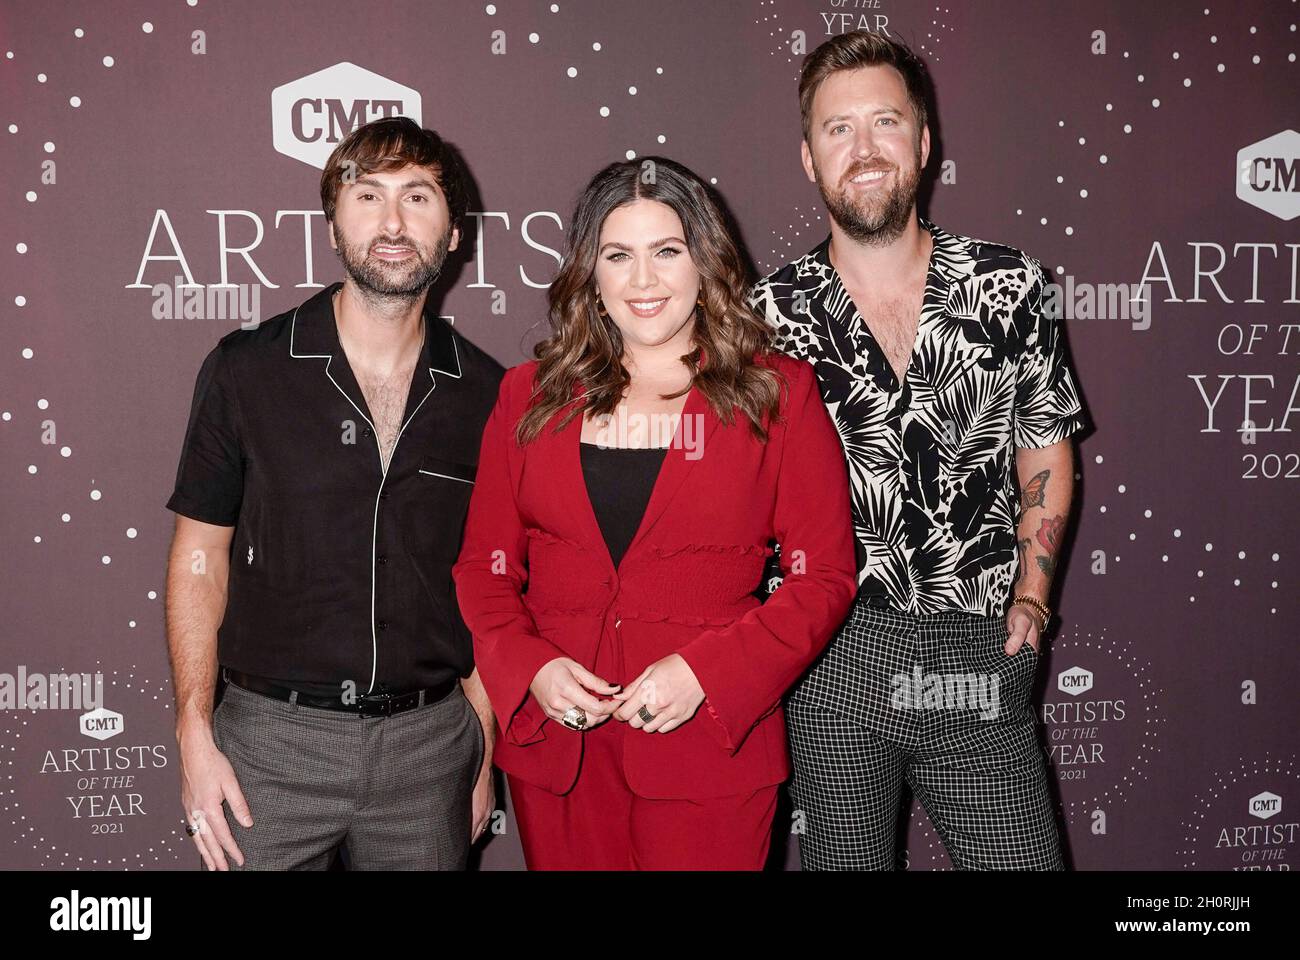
385	279
872	220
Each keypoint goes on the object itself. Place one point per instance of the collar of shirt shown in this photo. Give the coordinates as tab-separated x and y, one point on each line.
315	336
952	267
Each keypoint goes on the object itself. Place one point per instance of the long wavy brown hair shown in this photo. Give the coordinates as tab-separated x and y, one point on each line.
586	348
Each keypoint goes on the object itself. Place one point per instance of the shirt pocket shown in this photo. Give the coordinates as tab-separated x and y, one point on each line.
433	518
452	470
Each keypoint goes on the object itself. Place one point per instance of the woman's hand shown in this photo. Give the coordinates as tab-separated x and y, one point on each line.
669	691
563	683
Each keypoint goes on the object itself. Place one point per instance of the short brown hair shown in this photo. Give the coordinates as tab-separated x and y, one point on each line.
390	144
857	49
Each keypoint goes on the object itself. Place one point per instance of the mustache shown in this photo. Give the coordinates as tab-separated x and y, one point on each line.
866	168
399	242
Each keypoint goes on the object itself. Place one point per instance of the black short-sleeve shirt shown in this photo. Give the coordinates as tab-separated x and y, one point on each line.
340	571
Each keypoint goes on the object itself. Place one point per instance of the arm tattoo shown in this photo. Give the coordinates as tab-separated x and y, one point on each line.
1049	538
1035	490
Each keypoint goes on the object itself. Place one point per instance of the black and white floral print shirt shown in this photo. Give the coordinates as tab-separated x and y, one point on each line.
935	495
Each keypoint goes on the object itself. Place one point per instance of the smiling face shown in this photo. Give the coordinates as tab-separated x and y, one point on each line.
865	152
645	275
392	231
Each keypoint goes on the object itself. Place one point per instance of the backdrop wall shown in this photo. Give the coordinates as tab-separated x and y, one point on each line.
1116	142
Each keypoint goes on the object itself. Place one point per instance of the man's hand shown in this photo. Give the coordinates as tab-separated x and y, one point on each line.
198	570
483	798
207	779
668	689
483	804
1022	627
563	683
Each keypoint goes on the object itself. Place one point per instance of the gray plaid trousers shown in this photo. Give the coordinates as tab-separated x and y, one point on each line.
395	791
934	701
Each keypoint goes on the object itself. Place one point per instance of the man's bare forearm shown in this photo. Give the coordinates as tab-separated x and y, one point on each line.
197	579
1046	490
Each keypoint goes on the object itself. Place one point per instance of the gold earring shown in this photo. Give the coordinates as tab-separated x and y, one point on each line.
600	306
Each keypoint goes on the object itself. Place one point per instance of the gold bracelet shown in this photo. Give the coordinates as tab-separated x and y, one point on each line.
1038	607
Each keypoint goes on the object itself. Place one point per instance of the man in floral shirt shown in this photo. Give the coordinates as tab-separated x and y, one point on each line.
950	388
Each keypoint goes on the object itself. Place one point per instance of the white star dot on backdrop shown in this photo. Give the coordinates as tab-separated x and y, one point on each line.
1223	575
1186	83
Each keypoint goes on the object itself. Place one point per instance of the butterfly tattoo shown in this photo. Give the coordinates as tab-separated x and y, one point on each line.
1035	490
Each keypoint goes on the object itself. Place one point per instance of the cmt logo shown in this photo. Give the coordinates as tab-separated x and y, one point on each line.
1074	681
102	723
1264	805
311	115
1268	175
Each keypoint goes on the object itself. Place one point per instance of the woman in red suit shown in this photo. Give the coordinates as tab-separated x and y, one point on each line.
630	483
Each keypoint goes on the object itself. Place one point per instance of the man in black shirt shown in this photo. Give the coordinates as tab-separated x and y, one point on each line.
320	499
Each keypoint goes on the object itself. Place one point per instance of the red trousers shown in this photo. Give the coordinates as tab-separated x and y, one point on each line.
600	824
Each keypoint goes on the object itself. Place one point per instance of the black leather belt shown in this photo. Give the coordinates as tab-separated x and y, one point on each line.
365	705
877	600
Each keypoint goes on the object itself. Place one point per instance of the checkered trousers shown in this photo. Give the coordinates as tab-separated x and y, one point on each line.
933	701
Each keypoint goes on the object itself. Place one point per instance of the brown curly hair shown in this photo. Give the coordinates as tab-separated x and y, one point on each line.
587	348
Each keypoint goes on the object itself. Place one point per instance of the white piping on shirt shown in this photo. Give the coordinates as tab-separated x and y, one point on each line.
374	526
430	473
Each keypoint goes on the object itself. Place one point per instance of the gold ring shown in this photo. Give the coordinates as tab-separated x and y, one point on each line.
575	718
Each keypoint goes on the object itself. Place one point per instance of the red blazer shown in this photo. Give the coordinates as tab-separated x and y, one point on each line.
685	585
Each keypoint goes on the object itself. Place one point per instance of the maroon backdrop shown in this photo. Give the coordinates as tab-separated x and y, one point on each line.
1117	142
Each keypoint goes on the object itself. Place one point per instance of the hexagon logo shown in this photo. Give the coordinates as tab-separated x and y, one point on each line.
1264	805
309	116
102	723
1268	174
1074	681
